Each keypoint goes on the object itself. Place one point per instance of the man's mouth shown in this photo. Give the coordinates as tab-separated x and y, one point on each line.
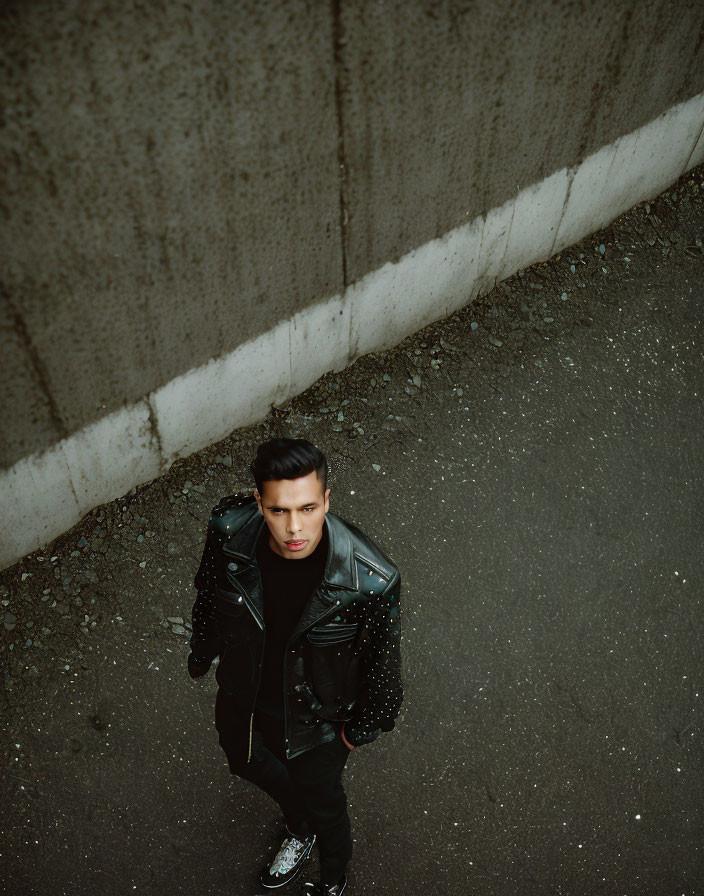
295	545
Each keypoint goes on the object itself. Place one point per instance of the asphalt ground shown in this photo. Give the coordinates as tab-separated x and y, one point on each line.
540	485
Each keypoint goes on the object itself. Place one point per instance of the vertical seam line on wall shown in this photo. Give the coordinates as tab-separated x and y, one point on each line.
694	146
508	235
616	146
289	385
342	168
571	173
38	367
156	435
70	478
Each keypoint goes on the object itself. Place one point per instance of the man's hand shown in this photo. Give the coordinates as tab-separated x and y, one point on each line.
353	738
197	666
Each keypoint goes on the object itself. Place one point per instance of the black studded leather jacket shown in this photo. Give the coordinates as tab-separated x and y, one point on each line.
343	660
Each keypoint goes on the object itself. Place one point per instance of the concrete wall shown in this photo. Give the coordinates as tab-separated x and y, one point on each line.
172	191
200	196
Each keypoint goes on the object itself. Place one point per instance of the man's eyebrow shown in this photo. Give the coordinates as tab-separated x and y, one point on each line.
278	506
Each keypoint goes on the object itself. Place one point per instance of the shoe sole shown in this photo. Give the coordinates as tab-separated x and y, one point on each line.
344	886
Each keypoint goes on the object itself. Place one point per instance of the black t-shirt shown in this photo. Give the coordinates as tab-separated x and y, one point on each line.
287	586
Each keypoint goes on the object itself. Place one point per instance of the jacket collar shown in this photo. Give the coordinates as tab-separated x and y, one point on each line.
340	567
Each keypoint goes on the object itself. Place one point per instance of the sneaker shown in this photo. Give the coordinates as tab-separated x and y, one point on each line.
311	889
288	861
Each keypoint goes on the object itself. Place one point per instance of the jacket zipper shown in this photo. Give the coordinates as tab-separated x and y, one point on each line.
256	692
261	625
251	720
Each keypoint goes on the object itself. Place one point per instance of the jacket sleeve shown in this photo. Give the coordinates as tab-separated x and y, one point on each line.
205	638
382	692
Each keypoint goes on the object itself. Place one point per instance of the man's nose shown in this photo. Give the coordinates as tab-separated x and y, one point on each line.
294	523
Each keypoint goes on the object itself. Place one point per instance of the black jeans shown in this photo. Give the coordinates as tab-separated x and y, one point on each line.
308	788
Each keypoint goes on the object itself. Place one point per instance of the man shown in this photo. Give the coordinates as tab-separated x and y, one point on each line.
303	611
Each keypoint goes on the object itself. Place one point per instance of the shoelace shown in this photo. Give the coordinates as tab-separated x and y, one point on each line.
287	856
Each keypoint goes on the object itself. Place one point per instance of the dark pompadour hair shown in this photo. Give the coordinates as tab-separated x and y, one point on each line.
288	459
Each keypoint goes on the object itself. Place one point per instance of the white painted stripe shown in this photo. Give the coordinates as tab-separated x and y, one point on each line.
637	166
697	157
45	494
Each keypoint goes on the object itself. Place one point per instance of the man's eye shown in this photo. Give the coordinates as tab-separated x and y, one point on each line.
306	510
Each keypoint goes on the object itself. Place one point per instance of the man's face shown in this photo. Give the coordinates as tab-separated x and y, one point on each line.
294	510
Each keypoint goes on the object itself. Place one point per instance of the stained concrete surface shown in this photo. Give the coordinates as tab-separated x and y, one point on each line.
171	185
178	178
538	479
448	110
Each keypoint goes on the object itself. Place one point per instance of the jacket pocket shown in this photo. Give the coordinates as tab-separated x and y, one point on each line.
333	664
229	601
332	633
232	613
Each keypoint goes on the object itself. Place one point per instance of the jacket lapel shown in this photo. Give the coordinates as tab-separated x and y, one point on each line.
242	570
340	577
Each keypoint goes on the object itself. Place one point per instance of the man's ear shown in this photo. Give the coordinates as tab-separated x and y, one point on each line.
259	501
327	500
